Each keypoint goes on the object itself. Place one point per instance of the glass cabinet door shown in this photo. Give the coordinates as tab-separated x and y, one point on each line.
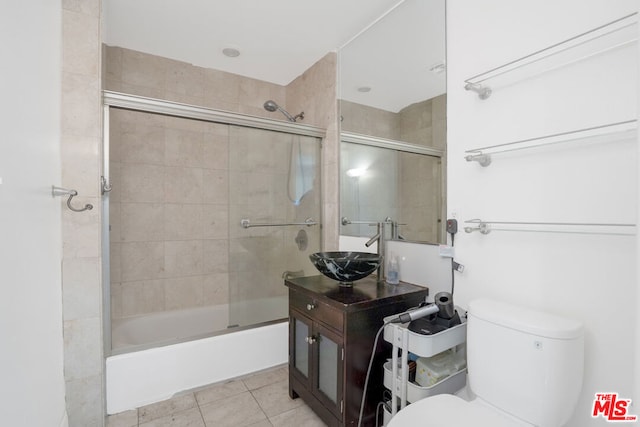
329	363
301	348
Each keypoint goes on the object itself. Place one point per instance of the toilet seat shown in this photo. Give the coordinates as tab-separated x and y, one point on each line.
447	410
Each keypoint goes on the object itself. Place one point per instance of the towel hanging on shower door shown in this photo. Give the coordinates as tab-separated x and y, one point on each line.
301	169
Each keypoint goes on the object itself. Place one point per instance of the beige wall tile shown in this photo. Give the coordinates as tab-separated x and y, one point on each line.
140	143
184	292
112	63
80	164
215	256
140	297
83	350
142	260
183	148
81	293
81	106
81	56
221	89
182	221
141	222
215	289
184	81
215	185
182	185
142	183
216	222
86	7
84	401
81	231
143	70
183	258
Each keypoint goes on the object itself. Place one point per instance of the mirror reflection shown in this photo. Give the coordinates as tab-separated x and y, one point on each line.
393	123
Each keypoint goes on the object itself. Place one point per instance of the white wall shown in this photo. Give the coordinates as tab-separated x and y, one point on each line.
584	276
32	390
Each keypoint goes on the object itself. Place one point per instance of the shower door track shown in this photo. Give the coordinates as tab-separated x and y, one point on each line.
159	106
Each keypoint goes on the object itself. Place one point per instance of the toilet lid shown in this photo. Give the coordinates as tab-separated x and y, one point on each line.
447	410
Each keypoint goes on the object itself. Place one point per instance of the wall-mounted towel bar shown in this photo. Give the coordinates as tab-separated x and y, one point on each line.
608	133
59	191
246	223
485	227
346	221
616	34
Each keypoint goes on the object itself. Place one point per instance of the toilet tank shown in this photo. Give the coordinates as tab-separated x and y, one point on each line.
525	362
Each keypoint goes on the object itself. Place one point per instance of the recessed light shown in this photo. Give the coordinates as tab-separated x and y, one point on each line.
230	52
364	89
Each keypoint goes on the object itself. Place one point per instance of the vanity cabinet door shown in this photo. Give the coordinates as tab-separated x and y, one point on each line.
300	339
327	384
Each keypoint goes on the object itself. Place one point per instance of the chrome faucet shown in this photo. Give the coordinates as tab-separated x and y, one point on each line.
380	237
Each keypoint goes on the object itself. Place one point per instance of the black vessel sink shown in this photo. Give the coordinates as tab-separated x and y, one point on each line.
345	267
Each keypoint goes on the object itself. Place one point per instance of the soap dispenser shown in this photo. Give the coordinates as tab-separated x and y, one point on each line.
393	271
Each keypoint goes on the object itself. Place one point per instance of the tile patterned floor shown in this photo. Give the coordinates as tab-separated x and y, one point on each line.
258	400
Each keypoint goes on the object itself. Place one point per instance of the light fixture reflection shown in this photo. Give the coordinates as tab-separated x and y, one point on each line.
356	172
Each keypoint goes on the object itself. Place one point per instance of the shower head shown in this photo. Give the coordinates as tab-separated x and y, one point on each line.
272	106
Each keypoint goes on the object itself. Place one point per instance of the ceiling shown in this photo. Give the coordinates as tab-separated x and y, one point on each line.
277	39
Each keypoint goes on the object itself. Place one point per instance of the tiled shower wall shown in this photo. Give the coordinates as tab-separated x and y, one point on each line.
175	255
169	239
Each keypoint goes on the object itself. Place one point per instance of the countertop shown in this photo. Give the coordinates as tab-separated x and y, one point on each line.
363	293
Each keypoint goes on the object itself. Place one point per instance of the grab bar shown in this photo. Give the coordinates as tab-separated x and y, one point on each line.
246	223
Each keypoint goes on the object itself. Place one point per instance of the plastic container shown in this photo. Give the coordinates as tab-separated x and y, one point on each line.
415	392
431	370
393	271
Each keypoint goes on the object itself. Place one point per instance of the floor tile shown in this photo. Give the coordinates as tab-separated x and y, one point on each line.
298	417
274	398
166	407
189	418
220	391
235	411
262	379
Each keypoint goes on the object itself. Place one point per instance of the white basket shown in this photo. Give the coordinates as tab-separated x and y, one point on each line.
415	392
427	345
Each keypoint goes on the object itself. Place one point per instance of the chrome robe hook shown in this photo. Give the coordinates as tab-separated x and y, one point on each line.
59	191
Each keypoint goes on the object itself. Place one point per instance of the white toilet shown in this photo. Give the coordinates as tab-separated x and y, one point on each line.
524	368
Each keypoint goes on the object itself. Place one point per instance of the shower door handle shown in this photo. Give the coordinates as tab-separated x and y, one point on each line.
105	187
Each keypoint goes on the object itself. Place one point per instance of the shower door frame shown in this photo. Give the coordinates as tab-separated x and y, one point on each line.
175	109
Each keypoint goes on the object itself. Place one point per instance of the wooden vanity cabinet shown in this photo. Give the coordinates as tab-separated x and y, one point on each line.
331	336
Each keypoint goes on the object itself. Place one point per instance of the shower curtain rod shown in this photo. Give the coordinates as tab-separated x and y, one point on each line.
160	106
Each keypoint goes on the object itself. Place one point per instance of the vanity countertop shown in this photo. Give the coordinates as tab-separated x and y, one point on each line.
363	294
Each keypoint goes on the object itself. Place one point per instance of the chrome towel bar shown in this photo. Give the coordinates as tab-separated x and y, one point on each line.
246	223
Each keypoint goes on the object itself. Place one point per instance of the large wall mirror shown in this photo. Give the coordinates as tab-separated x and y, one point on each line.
393	124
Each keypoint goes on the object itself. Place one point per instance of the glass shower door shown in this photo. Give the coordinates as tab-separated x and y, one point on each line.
274	190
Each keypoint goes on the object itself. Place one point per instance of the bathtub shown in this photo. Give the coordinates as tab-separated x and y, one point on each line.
167	327
150	375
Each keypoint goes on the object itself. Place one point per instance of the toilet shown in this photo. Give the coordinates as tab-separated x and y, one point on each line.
524	368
